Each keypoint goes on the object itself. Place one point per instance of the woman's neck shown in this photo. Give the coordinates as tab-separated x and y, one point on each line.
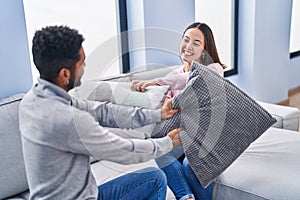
186	67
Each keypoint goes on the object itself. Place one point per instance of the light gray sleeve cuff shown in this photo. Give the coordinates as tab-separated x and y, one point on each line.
156	115
162	145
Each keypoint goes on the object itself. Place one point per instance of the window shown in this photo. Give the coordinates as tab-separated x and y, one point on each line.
295	30
222	18
96	20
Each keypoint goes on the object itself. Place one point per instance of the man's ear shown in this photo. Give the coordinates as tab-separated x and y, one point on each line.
64	77
64	74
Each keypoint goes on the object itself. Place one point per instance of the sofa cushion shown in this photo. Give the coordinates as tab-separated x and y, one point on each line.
12	168
221	121
120	93
87	87
268	169
287	117
21	196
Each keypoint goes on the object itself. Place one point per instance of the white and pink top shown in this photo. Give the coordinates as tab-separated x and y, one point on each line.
177	79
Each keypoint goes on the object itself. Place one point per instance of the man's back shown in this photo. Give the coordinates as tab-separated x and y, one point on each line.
46	128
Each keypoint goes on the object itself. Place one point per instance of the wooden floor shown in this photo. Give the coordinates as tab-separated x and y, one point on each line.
294	99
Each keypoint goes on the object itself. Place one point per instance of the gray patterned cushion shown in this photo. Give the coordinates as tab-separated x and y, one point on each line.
221	121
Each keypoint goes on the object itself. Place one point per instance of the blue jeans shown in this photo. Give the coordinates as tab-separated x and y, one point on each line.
149	183
198	190
175	174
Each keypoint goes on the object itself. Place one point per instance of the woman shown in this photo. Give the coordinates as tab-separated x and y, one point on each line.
198	45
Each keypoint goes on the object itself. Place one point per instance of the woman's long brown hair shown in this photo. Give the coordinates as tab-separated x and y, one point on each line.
210	50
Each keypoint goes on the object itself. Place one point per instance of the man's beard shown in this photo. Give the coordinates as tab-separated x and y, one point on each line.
75	82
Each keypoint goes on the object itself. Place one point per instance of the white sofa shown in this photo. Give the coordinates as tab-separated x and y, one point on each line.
253	175
268	169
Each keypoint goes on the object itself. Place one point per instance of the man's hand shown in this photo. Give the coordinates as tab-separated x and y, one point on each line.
174	135
138	85
167	111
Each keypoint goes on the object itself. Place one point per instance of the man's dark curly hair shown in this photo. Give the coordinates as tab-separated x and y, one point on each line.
55	47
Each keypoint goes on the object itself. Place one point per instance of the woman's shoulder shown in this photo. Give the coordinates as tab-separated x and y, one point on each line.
217	68
215	65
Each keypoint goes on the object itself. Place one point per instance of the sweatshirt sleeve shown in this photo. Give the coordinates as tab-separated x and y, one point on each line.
176	79
118	116
91	139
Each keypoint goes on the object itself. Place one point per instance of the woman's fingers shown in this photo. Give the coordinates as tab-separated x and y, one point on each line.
138	85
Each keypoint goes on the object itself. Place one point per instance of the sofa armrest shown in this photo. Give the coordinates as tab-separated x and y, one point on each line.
287	117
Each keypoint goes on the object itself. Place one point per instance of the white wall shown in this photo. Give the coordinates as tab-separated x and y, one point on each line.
170	17
246	47
264	63
294	72
14	52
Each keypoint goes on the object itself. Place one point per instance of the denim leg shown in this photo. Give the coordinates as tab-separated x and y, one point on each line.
198	190
174	171
149	183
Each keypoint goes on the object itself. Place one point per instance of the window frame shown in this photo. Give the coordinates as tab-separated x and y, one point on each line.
123	25
234	70
295	53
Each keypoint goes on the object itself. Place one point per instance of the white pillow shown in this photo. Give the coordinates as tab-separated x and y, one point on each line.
120	93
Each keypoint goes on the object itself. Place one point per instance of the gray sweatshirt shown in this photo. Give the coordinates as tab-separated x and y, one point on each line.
60	133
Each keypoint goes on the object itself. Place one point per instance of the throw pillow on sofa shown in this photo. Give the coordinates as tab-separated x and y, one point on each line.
121	94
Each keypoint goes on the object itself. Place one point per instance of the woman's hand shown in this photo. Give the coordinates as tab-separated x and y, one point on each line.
140	85
174	135
167	111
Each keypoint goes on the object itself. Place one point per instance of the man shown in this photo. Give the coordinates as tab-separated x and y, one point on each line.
60	132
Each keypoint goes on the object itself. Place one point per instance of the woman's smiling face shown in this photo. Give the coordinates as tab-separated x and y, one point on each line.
192	45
